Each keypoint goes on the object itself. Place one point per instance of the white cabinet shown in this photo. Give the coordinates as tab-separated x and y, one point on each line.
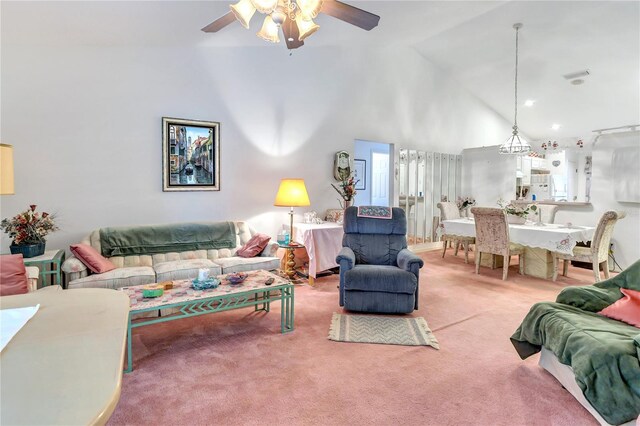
538	163
526	170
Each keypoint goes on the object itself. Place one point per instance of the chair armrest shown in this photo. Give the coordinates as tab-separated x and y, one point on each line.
270	250
407	260
74	269
32	278
346	258
589	298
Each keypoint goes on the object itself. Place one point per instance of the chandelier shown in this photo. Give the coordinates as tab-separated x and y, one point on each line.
516	143
295	12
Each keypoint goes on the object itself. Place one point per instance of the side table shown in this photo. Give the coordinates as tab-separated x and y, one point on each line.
52	258
291	262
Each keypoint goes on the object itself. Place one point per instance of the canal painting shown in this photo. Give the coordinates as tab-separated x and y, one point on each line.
191	155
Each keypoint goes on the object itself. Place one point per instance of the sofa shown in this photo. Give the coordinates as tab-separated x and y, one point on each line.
191	252
595	357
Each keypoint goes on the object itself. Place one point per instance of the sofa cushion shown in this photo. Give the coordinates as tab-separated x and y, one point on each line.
93	260
13	275
254	246
380	278
121	277
184	269
242	264
626	309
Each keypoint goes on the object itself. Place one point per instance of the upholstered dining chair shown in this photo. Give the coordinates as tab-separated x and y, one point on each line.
547	213
597	254
449	211
492	236
377	271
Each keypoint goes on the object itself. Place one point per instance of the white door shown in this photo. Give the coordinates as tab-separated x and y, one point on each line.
379	179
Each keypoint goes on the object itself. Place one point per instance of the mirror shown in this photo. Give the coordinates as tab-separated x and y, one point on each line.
561	176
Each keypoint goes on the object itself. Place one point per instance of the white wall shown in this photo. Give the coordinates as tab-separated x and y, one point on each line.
85	122
488	176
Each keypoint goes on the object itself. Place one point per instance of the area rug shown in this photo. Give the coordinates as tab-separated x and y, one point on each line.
383	330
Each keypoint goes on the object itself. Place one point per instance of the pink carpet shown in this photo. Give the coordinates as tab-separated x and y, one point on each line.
236	368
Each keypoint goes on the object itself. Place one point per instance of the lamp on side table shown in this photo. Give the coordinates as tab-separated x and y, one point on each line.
292	193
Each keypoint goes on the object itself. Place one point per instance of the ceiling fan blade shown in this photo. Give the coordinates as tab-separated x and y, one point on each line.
291	34
353	15
220	23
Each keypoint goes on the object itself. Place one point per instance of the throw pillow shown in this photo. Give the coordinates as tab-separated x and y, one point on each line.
254	246
626	309
96	262
13	275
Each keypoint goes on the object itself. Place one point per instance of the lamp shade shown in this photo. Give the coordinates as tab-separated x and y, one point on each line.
6	169
244	11
269	31
265	6
292	193
310	8
306	27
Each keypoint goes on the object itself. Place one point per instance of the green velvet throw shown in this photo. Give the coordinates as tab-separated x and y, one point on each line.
603	353
154	239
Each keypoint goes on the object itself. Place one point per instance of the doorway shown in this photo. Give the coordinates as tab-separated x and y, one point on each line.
373	163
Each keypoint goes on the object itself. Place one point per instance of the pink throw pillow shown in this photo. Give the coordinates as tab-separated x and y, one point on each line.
13	275
91	258
254	246
626	309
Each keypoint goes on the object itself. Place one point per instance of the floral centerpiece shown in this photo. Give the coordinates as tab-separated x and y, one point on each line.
28	229
464	203
517	213
347	191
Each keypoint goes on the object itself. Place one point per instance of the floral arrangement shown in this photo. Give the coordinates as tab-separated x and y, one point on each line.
520	210
347	190
465	202
29	227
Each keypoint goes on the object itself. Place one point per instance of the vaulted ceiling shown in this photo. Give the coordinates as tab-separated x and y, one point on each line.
472	41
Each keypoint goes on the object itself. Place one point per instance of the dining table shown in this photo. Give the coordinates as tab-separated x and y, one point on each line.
538	239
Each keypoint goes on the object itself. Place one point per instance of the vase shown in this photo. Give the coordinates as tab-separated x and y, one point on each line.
516	220
347	203
27	250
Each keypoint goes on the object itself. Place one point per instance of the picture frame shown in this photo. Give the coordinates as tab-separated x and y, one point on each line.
360	174
190	155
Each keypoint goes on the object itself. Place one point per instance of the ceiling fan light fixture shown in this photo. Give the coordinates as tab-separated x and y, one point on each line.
269	31
279	15
309	8
243	11
265	6
306	28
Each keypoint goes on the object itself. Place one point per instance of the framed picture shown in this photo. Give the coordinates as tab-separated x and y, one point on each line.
360	173
190	155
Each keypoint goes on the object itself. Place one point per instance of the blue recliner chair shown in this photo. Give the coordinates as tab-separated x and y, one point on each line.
377	271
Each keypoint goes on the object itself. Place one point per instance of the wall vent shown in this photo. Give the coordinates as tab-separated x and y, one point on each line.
576	74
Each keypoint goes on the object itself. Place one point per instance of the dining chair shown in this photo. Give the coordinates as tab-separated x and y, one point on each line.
449	211
547	213
597	254
492	237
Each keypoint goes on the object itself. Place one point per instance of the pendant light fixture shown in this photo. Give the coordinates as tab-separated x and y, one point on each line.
516	143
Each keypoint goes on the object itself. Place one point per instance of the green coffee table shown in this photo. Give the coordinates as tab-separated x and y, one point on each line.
52	258
188	302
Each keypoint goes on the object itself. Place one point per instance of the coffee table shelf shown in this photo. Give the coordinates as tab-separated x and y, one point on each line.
189	303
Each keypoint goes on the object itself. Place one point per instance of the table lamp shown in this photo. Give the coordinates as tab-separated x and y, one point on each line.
292	193
6	169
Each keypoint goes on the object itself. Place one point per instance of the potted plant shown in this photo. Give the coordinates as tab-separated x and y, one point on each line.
347	191
28	229
517	213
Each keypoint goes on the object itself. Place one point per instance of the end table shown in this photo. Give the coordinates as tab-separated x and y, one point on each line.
291	262
52	258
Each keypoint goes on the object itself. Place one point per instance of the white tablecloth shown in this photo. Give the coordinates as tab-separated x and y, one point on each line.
323	243
552	237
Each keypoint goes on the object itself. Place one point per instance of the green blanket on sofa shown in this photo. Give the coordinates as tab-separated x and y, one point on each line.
153	239
603	353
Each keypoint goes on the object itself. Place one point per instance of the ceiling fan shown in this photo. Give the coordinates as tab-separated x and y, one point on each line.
295	17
